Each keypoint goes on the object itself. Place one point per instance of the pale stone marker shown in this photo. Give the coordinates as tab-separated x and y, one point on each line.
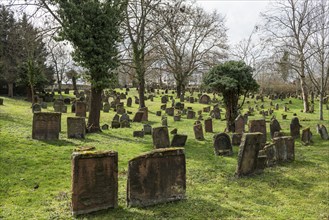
76	127
239	124
94	181
160	137
222	145
285	148
80	109
46	125
322	130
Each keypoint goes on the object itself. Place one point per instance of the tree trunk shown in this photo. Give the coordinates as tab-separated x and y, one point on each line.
141	91
60	87
231	106
10	90
28	94
95	111
32	94
321	106
179	87
304	94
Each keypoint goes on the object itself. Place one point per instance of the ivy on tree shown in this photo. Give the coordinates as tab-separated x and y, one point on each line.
233	79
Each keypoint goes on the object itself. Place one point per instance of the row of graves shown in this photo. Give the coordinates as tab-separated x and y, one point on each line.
95	173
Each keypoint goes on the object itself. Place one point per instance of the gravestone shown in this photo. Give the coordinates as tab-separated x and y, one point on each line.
284	148
138	116
139	134
206	109
178	140
1	101
129	102
124	117
164	121
160	137
36	108
164	99
105	127
222	145
170	111
163	107
80	109
67	91
177	117
236	139
248	153
270	152
145	115
94	181
156	177
208	125
46	125
258	126
276	106
191	99
58	105
147	129
73	107
76	127
198	132
322	130
274	127
295	128
190	114
158	113
120	109
106	107
204	99
306	136
239	124
67	101
215	113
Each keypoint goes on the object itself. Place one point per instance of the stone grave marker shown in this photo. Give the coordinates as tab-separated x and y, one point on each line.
206	109
284	148
239	124
270	152
139	134
177	117
160	137
44	105
248	153
147	129
94	181
80	109
36	108
236	139
295	128
178	140
322	130
105	127
215	113
164	121
145	115
1	101
129	102
170	111
222	145
306	136
58	105
258	126
120	109
46	125
274	127
106	107
163	107
198	132
164	99
166	167
208	125
191	99
76	127
138	116
158	113
190	114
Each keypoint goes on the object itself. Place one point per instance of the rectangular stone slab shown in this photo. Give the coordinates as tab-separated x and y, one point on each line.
94	181
156	177
46	126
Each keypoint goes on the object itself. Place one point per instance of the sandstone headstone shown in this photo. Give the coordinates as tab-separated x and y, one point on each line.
204	99
306	136
46	125
198	132
208	125
147	129
170	111
178	140
106	107
177	117
215	113
160	137
58	105
239	124
36	108
274	127
222	145
236	139
258	126
270	152
129	102
284	148
105	127
190	114
164	99
156	177
145	115
295	128
80	109
322	130
76	127
138	116
94	181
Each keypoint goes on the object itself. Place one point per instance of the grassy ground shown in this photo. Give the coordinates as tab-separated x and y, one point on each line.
36	175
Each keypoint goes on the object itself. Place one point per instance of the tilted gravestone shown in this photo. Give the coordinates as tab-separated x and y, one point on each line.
208	125
138	116
239	124
145	115
160	137
295	128
120	109
178	140
198	132
204	99
274	127
322	130
46	125
80	109
258	126
248	153
76	127
222	145
306	136
156	177
94	181
284	148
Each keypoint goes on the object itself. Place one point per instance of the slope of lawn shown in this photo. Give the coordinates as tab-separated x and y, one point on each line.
35	176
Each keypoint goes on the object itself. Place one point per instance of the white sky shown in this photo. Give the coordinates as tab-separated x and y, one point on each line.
241	15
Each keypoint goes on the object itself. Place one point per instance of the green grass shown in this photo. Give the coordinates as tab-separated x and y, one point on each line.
297	190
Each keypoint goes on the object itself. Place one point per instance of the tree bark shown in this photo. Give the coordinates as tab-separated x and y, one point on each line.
231	107
74	82
321	106
10	90
95	111
178	89
141	91
304	94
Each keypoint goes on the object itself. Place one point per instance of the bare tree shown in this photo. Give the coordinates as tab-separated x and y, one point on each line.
189	38
292	23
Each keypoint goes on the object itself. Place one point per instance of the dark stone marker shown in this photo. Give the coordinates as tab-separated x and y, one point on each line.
156	177
215	113
170	111
94	181
106	107
295	128
198	132
147	129
208	125
115	124
138	134
76	127
177	117
138	116
248	153
80	109
239	124
1	101
190	114
274	127
105	127
285	148
164	99
306	136
129	102
204	99
46	125
36	108
178	140
322	130
145	115
270	152
158	113
206	109
236	139
222	145
160	137
258	126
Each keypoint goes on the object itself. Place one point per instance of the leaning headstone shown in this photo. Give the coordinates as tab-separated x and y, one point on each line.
46	125
94	181
138	116
274	127
322	130
76	127
295	128
147	129
160	137
178	140
222	145
145	115
248	153
258	126
284	148
239	124
306	136
165	172
208	125
198	132
80	109
36	108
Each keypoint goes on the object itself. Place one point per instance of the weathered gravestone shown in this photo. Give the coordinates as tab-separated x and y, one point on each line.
208	125
120	109
46	125
284	148
36	108
239	124
156	177
190	114
129	102
170	111
215	113
94	181
105	127
177	117
236	138
295	128
270	152
204	99
258	126
80	109
306	136
147	129
274	127
58	105
138	116
145	115
106	107
1	101
222	145
322	130
178	140
164	121
160	137
248	153
139	134
164	99
198	131
76	127
44	105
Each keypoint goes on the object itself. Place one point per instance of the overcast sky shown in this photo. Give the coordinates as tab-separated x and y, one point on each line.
241	15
